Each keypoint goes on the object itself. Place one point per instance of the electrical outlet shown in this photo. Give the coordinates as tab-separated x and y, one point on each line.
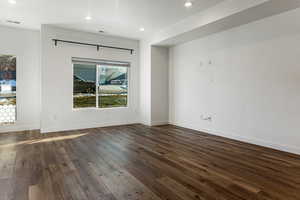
54	117
206	118
209	119
201	64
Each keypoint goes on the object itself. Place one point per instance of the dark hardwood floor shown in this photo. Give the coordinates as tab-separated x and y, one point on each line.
136	162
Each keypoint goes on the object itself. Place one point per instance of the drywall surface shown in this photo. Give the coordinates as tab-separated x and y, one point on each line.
145	83
57	81
25	44
159	85
243	83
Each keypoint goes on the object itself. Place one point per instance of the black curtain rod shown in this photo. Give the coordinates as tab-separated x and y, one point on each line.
94	45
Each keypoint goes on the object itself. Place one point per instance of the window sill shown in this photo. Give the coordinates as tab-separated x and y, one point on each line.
100	109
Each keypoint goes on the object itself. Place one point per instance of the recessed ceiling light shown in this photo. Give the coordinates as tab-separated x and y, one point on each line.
188	4
88	17
12	1
142	29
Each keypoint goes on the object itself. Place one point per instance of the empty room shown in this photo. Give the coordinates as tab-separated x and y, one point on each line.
149	100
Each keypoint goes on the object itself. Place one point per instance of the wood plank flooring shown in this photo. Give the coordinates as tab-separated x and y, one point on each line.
137	162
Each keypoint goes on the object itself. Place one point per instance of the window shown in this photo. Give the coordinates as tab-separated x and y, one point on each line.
7	89
100	84
113	85
84	92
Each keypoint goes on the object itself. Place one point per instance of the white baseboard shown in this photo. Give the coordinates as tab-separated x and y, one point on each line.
18	127
159	123
146	123
280	147
79	126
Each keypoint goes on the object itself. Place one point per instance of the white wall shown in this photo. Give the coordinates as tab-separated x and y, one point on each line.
247	79
159	85
154	95
57	81
145	83
25	45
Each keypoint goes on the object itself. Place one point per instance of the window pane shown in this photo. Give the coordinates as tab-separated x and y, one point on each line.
7	89
113	86
84	91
